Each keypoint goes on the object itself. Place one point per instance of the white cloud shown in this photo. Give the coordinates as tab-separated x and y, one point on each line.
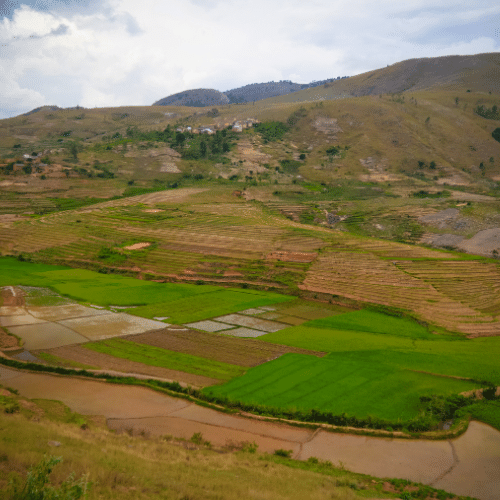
130	52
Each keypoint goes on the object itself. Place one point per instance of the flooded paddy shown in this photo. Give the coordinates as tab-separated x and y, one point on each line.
26	313
467	465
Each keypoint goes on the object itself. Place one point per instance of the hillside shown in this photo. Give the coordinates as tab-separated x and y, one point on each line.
196	98
478	73
341	252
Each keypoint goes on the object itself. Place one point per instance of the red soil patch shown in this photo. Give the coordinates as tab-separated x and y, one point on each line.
138	246
12	296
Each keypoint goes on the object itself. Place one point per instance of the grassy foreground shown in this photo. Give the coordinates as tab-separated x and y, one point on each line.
123	466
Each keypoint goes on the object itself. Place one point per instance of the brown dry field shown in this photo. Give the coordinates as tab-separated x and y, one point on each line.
235	351
106	362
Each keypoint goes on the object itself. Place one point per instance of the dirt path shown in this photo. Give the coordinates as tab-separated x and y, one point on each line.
467	465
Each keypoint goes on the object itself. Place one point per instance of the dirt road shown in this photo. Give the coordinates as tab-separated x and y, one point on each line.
468	465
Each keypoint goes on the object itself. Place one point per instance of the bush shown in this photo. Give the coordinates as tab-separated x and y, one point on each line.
249	447
496	134
489	113
271	131
37	487
334	150
283	453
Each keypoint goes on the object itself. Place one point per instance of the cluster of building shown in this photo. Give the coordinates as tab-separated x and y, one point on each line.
236	126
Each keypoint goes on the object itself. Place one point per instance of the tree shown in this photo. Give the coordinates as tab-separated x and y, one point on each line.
225	147
179	138
73	149
203	148
496	134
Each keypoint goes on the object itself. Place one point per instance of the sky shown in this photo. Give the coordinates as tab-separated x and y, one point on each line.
105	53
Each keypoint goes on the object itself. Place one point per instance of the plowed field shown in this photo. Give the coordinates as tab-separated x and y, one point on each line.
235	351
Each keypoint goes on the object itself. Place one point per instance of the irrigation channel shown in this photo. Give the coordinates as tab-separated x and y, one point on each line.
467	465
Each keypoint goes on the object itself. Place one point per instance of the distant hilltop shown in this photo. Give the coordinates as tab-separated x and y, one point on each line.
240	95
50	108
196	98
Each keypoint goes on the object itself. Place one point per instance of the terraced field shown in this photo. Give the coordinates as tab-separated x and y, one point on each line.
366	277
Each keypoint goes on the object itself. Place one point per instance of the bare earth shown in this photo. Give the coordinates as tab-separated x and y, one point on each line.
467	465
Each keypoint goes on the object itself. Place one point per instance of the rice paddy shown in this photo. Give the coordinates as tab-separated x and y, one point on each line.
338	384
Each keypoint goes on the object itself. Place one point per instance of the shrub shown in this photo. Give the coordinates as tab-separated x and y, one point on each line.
271	131
283	453
36	486
249	447
496	134
332	151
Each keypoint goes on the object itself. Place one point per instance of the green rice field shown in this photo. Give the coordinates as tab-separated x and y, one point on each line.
377	364
338	384
183	303
156	356
452	356
208	305
374	322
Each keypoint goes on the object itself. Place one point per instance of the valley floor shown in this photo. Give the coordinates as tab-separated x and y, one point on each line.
468	465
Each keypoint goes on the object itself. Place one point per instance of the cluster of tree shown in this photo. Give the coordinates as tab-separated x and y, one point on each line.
431	165
204	146
271	131
490	113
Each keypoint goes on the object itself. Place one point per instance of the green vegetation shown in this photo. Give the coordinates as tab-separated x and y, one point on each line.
271	131
36	486
475	359
489	113
485	411
338	384
374	322
207	305
56	360
496	134
155	356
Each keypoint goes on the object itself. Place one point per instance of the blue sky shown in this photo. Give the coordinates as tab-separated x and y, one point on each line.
128	52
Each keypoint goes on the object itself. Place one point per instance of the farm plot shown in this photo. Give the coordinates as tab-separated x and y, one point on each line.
370	321
208	305
365	277
473	283
76	356
263	325
471	358
154	356
338	384
242	352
